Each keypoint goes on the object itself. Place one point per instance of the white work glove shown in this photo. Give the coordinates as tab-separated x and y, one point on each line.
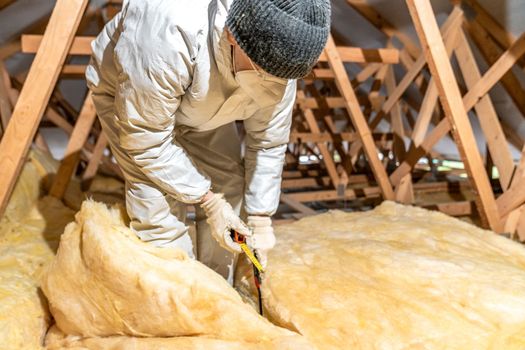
263	238
222	219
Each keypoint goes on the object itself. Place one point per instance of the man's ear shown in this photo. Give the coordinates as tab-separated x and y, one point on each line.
230	37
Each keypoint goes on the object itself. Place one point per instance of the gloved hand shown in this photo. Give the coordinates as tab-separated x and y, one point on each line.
222	219
263	238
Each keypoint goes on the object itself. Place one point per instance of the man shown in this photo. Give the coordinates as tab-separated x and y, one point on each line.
169	79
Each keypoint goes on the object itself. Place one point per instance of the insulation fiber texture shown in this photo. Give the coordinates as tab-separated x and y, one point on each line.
397	277
108	290
29	233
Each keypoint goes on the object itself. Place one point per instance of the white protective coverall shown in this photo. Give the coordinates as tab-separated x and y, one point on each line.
162	83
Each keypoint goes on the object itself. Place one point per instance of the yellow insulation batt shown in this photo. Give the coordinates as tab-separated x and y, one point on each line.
397	277
394	278
105	282
29	233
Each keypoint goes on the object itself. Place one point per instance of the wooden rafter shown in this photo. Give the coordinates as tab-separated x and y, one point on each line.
36	92
358	119
450	96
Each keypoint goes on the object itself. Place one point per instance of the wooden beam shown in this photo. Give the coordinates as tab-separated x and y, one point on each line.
6	107
366	73
74	71
513	198
404	192
425	113
305	182
95	160
448	31
76	142
296	205
449	27
514	218
515	195
360	55
491	53
321	137
36	92
328	160
370	192
494	135
327	137
450	96
332	195
81	45
463	208
503	37
434	136
358	119
496	72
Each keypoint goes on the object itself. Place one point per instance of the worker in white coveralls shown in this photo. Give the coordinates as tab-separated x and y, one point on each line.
169	79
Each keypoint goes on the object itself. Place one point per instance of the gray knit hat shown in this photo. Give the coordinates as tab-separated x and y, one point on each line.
283	37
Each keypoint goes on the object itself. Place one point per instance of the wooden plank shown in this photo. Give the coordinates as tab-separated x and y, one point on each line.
491	53
358	119
321	137
360	55
379	78
51	114
305	182
496	72
74	71
407	62
328	160
36	92
95	160
417	152
449	27
514	196
296	205
296	137
404	192
81	44
6	107
365	74
450	96
432	138
503	37
463	208
425	113
72	155
494	135
332	195
512	220
364	192
520	229
323	73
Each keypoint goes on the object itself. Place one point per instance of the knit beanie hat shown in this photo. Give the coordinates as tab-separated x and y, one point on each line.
283	37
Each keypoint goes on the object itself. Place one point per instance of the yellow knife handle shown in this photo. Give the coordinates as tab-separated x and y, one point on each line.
252	257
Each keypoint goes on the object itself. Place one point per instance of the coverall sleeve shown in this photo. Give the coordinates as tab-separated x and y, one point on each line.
267	136
154	73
